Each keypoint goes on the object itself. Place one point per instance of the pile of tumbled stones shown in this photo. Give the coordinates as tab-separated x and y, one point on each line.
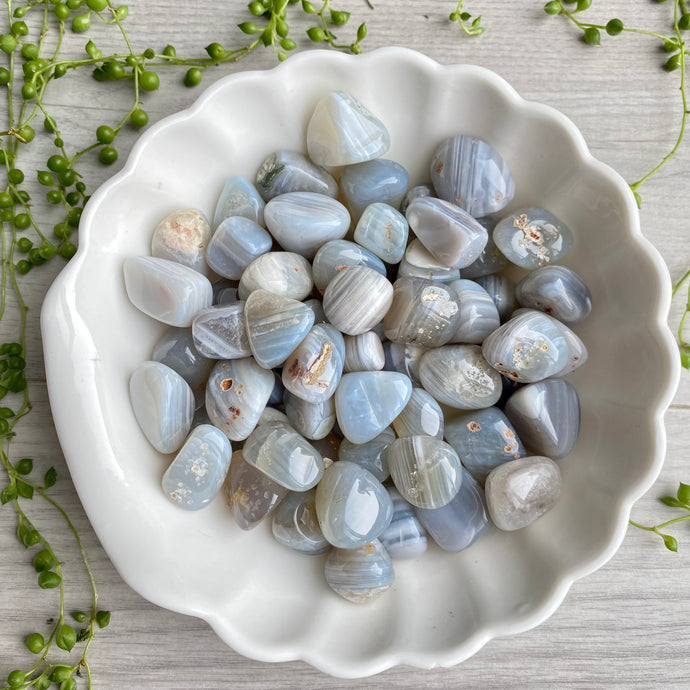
372	396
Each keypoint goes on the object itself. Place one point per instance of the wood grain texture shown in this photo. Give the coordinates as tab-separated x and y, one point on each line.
625	626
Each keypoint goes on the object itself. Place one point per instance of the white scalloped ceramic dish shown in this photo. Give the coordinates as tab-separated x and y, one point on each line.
264	601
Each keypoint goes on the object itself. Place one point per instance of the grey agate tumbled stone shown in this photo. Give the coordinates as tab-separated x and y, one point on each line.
422	416
470	173
501	289
163	405
404	538
239	198
532	237
197	473
383	230
176	349
296	526
314	420
459	376
418	262
360	574
478	313
219	332
521	491
183	236
291	171
235	244
337	255
363	352
460	522
546	415
352	506
375	181
372	455
484	439
284	273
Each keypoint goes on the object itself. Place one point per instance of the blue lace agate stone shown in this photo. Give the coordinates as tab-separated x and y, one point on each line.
380	180
239	198
296	526
290	171
235	244
336	255
383	231
405	537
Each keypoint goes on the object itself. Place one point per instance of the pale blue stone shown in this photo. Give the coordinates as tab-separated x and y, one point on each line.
372	455
556	290
404	538
313	420
470	173
378	180
301	222
224	291
250	494
290	171
450	234
183	236
546	415
283	273
461	522
363	352
342	131
316	306
163	405
459	376
239	198
533	237
336	255
484	439
414	193
235	244
367	402
197	473
418	262
360	575
353	507
219	332
422	416
383	231
529	347
296	526
284	456
490	260
275	326
502	291
236	394
478	313
404	358
166	290
176	349
313	369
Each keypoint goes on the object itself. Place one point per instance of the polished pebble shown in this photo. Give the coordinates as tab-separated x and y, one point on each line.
404	538
163	405
382	230
301	222
220	333
313	369
235	244
166	290
337	255
296	526
450	234
372	455
316	306
423	312
284	273
271	414
360	575
224	291
459	523
484	439
491	260
478	313
284	456
366	402
421	416
275	326
529	347
459	376
239	198
532	237
414	193
357	299
176	349
291	171
425	470
342	131
236	394
472	174
196	475
250	493
556	290
501	289
314	420
375	181
352	506
404	357
520	492
546	415
183	236
363	352
418	262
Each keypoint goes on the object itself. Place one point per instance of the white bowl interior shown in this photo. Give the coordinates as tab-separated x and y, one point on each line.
265	601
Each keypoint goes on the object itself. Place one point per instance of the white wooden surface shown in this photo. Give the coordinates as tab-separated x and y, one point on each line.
624	626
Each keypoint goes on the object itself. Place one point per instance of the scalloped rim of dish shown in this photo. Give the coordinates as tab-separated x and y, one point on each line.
55	347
